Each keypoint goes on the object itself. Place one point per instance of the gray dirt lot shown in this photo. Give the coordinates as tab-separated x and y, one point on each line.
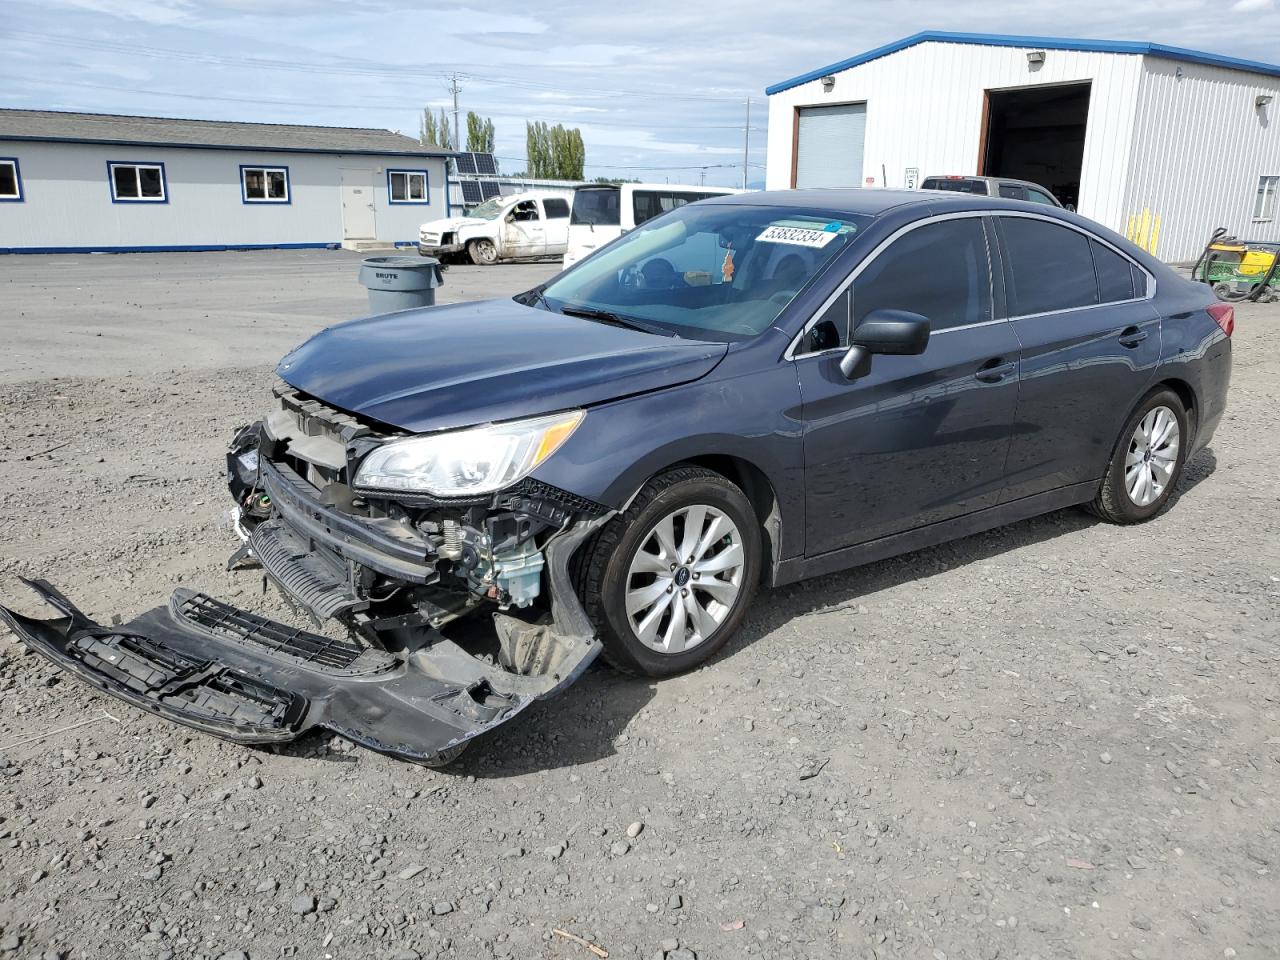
1056	740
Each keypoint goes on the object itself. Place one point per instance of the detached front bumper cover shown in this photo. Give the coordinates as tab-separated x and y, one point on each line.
239	676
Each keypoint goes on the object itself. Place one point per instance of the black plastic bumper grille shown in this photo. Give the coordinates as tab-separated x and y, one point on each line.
228	622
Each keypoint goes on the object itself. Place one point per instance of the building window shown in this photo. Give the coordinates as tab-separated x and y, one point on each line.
137	182
10	180
1264	207
407	186
264	184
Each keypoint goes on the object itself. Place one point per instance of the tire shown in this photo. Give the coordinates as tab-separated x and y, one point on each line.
482	252
608	573
1121	497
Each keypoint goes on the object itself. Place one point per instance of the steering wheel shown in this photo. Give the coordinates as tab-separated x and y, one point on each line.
783	297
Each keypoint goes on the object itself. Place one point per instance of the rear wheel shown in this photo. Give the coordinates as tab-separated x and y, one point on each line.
482	252
668	582
1147	461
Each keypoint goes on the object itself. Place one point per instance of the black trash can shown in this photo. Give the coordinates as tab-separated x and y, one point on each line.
400	283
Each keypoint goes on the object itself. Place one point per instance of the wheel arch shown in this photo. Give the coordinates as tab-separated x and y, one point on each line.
1186	393
759	491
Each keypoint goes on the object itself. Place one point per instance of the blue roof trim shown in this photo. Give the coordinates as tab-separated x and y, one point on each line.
1044	43
30	138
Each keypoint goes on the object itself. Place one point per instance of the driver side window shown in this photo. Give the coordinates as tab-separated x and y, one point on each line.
940	271
525	210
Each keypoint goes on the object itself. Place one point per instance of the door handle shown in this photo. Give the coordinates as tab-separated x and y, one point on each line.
1132	336
993	371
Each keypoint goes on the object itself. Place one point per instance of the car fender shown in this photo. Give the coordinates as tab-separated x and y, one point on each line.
749	415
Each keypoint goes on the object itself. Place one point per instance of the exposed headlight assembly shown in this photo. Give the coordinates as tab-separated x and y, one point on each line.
471	462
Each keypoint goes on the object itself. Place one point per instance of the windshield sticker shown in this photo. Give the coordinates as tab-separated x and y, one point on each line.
832	227
796	236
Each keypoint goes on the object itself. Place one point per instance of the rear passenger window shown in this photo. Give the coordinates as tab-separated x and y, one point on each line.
1048	267
1011	191
556	209
939	271
1115	274
1139	283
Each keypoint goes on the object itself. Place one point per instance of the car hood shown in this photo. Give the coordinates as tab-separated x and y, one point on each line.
446	224
443	367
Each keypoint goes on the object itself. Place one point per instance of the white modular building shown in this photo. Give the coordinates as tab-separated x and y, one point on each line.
1159	143
80	182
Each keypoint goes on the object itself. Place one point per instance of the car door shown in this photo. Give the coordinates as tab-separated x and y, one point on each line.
555	212
1090	340
523	233
919	439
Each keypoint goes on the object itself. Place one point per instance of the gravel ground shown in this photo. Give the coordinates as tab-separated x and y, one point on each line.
1059	739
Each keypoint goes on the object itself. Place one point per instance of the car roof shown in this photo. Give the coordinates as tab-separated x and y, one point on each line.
870	202
983	177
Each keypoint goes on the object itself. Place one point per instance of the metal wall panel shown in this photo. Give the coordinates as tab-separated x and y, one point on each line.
925	111
1200	146
67	200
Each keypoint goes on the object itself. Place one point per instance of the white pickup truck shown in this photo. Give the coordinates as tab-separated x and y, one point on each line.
519	227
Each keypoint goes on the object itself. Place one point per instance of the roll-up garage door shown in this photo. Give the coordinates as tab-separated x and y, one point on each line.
829	146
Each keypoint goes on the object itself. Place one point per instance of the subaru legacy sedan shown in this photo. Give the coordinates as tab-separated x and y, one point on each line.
742	393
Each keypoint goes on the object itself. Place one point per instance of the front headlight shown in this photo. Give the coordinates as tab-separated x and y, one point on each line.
471	462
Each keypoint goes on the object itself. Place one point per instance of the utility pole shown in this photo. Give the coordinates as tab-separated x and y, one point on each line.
453	88
746	144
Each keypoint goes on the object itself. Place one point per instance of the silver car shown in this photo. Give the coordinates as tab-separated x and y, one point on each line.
1005	187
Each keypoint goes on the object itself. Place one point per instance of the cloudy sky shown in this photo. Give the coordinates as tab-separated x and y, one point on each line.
658	88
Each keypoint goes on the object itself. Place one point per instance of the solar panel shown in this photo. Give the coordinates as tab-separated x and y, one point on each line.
466	163
490	188
471	192
485	164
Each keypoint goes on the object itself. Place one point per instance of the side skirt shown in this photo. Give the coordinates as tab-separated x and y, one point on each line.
802	568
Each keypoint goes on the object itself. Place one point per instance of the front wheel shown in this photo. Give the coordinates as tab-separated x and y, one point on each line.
1147	461
668	582
483	252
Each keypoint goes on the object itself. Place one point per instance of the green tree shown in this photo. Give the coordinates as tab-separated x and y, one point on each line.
428	133
554	153
479	133
445	131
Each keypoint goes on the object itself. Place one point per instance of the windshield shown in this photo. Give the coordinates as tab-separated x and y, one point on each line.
711	272
491	209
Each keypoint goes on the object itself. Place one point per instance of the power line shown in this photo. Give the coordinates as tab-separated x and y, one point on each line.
342	67
394	104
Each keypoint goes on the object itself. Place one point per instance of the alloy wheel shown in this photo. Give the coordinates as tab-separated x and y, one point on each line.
1152	457
684	578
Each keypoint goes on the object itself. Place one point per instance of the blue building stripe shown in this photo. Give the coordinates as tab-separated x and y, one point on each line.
1043	43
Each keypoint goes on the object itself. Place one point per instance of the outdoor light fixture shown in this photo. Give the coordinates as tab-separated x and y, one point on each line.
1035	56
828	82
1262	99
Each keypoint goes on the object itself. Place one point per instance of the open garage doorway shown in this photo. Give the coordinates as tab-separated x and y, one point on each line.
1037	134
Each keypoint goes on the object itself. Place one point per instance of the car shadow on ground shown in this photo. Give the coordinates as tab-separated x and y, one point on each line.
582	724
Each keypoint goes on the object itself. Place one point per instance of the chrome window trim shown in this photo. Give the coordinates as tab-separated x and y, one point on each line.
790	353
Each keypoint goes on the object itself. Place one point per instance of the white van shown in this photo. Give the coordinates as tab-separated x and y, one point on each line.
518	227
604	212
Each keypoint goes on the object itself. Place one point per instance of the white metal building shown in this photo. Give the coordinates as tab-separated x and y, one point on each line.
1159	143
76	182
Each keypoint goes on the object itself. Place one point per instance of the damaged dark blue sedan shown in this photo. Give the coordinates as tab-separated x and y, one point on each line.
742	393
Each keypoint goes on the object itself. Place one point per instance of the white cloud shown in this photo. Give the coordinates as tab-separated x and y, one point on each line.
652	84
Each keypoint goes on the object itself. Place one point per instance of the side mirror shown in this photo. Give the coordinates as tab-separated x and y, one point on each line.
891	332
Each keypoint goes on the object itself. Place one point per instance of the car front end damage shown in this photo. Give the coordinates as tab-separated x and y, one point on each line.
396	581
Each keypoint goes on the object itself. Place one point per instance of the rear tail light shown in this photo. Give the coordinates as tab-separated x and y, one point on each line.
1224	315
